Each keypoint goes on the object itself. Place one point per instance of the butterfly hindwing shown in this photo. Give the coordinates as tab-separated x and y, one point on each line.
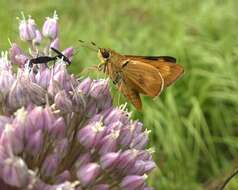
131	94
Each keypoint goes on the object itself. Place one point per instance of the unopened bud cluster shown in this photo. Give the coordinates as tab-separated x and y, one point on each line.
58	132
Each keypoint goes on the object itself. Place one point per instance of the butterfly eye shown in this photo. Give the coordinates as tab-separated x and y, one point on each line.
105	54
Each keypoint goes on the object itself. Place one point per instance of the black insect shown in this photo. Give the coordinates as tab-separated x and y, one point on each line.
41	60
61	55
46	59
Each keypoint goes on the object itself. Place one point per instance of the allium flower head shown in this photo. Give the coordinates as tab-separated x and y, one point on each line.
58	132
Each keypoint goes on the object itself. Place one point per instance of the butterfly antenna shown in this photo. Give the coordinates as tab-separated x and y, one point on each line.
92	46
77	50
87	69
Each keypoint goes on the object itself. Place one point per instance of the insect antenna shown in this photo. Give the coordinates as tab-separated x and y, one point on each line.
91	68
90	45
77	50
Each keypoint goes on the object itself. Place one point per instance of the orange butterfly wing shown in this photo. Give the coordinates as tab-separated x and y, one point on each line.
143	78
131	94
166	65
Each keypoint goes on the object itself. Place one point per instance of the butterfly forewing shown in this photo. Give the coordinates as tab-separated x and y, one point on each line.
166	65
145	78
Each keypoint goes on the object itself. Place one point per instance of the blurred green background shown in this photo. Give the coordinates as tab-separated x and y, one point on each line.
194	123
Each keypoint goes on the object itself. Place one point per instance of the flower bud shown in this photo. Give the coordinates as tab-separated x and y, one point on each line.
84	85
36	93
109	160
57	130
11	138
31	28
79	102
133	182
116	115
15	172
6	81
21	59
38	38
35	121
27	29
105	102
145	154
142	167
3	121
50	165
92	108
64	79
148	166
55	43
127	160
137	127
19	122
43	78
49	117
126	136
50	27
53	87
109	143
138	168
89	135
13	51
4	154
59	66
99	88
100	132
38	119
114	126
63	102
35	143
140	141
5	64
95	118
68	52
88	173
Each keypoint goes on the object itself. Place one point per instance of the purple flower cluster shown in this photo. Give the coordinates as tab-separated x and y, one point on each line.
58	132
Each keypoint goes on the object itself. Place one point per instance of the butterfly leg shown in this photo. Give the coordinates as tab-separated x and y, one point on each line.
117	79
102	67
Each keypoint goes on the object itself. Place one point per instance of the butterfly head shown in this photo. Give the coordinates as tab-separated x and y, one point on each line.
107	56
104	55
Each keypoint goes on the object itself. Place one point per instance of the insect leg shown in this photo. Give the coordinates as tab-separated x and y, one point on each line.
117	79
102	67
